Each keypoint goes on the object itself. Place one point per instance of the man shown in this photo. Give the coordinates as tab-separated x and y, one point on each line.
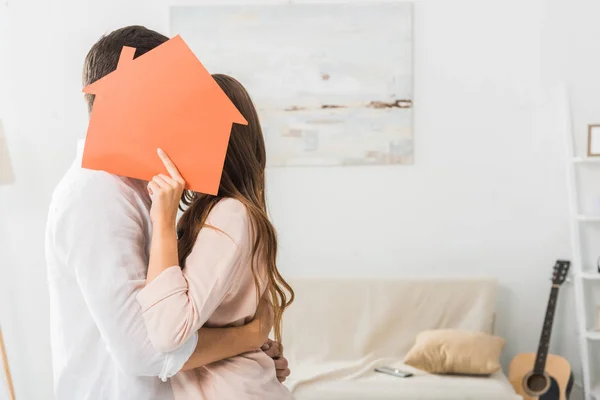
97	244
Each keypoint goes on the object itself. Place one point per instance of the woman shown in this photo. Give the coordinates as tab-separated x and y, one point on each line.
227	252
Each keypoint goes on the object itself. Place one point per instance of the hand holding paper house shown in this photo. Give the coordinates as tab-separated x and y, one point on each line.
164	98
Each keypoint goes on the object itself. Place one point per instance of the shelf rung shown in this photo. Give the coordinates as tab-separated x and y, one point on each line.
586	160
586	218
593	335
592	276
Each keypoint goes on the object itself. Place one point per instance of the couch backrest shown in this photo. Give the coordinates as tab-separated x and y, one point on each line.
338	320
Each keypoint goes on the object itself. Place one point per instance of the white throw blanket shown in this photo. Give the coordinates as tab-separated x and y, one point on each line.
338	331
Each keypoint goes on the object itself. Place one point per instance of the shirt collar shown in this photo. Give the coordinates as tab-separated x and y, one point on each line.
80	147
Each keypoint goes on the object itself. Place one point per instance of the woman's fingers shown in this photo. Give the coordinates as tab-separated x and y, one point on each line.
170	166
166	182
167	178
161	182
153	187
171	182
165	192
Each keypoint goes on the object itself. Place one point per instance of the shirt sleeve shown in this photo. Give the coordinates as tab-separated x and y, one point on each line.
100	233
177	303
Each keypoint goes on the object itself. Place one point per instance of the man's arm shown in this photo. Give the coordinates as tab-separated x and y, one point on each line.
215	344
99	232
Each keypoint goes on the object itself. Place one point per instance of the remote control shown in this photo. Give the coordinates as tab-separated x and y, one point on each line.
394	372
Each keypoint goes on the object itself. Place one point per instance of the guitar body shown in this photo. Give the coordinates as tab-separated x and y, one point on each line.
558	380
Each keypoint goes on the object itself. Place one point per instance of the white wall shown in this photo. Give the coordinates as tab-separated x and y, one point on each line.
486	196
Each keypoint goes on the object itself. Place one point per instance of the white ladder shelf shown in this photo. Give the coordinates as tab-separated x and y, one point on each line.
588	338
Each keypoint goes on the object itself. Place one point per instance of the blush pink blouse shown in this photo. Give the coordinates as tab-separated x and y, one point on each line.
216	289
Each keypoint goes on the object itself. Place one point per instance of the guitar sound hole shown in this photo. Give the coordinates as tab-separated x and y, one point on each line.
537	383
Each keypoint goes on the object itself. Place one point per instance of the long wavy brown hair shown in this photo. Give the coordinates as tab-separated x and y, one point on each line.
243	179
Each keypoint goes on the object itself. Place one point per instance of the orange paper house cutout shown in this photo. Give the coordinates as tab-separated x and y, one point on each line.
163	99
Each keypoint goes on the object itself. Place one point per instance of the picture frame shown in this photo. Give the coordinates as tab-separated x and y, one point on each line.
593	140
335	111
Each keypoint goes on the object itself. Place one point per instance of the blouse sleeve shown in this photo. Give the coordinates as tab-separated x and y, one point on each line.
177	303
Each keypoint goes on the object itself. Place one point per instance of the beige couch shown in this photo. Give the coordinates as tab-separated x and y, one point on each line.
337	331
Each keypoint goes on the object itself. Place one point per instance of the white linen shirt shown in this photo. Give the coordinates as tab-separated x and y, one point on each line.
97	245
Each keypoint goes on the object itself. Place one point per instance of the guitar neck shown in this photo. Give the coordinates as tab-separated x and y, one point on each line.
542	353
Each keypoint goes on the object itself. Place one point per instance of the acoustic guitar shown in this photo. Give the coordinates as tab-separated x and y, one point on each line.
541	375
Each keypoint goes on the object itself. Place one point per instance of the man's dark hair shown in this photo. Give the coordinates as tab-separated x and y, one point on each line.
103	57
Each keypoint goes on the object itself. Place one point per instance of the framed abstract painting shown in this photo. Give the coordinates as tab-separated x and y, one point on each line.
333	83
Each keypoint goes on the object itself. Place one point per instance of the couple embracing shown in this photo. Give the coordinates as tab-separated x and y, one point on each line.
144	308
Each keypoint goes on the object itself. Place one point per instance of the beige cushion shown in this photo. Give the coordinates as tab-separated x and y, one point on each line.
453	351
